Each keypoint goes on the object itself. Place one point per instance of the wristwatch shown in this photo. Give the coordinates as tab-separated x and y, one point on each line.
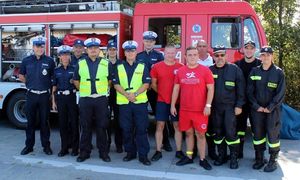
136	94
208	105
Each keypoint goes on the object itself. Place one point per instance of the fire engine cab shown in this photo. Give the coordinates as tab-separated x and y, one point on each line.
228	23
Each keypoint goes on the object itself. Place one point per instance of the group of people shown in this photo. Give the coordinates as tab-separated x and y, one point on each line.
208	99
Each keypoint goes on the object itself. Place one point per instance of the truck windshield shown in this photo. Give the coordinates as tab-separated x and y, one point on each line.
226	32
250	33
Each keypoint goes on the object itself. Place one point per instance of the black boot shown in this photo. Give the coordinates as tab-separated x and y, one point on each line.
211	148
259	160
272	164
222	156
241	150
234	157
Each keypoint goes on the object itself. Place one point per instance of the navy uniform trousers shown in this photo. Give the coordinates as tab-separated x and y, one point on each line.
37	104
134	123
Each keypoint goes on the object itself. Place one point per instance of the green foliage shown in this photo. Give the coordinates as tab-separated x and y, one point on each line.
284	36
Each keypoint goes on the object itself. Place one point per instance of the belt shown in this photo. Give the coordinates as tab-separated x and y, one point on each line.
96	96
39	92
66	92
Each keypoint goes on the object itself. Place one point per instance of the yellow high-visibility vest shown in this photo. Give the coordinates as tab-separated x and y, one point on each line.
101	80
135	84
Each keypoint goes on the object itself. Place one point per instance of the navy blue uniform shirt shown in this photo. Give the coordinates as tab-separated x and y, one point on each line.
75	60
62	78
38	72
129	71
151	58
93	67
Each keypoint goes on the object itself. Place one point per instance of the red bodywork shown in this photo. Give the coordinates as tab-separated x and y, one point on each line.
200	13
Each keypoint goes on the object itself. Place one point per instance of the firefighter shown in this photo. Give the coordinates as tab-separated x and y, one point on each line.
78	52
131	81
64	100
266	88
36	72
114	123
195	84
92	78
246	64
229	98
150	57
206	60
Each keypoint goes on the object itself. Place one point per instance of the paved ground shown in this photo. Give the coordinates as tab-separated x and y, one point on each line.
39	166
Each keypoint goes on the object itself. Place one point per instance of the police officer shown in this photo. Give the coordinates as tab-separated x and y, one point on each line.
36	72
114	123
229	99
150	57
78	52
92	78
266	88
131	81
64	100
246	64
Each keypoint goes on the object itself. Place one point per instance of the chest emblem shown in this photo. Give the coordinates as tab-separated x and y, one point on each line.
44	72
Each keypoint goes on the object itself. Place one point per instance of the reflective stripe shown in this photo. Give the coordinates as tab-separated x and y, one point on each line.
275	145
233	142
259	141
241	133
215	76
272	85
255	78
229	83
218	141
209	135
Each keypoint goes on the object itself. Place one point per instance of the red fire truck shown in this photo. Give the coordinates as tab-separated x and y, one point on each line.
228	23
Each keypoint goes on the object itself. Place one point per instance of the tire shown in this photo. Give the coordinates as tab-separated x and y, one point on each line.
16	110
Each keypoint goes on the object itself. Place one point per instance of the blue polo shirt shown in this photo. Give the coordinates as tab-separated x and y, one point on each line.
151	58
129	71
93	67
62	78
38	72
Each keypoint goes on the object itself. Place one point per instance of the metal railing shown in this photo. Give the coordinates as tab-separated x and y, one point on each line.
48	6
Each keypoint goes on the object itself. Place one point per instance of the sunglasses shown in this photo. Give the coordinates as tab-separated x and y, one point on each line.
219	55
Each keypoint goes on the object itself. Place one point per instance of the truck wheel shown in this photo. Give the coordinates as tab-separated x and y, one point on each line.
16	110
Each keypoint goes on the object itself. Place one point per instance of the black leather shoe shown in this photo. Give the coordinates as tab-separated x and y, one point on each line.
63	153
167	147
179	154
156	156
204	163
48	151
129	157
26	150
82	158
183	161
105	158
145	161
74	153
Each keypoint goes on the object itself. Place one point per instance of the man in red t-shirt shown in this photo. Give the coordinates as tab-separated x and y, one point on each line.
163	75
196	86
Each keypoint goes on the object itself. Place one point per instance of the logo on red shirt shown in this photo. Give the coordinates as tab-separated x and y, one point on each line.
190	75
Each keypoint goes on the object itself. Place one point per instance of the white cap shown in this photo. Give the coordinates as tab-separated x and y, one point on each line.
64	49
39	40
129	45
150	35
92	42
